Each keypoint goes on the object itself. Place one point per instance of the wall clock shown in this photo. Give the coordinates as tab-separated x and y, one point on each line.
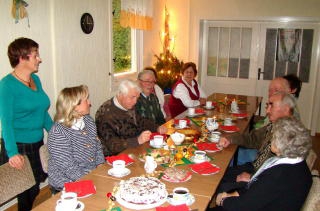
86	23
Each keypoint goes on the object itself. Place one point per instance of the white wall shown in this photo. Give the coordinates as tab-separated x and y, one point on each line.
188	13
69	56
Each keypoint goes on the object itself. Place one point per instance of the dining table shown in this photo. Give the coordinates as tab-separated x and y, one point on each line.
201	187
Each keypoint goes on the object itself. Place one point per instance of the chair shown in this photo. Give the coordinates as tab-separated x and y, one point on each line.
311	159
312	202
14	181
166	105
44	157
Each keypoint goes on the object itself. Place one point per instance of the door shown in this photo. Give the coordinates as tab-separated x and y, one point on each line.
233	52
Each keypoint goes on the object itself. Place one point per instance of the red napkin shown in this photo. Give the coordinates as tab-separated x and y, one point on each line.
214	104
82	188
124	157
182	207
240	114
199	110
176	121
232	128
157	134
205	168
207	146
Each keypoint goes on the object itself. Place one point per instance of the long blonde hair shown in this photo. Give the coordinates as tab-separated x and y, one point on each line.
67	101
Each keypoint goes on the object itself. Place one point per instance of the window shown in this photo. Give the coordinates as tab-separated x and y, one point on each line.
126	49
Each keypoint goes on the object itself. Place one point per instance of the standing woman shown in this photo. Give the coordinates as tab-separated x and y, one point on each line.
186	92
73	143
24	114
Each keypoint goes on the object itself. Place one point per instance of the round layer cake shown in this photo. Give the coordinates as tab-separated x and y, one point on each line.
142	190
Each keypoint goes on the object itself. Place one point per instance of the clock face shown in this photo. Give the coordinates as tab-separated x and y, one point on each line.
86	23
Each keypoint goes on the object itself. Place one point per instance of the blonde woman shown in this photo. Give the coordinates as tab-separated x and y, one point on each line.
73	144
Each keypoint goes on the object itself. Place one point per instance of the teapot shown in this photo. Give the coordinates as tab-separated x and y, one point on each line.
211	124
150	164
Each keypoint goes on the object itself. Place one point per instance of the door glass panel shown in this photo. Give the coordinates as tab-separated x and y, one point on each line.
246	39
223	52
212	51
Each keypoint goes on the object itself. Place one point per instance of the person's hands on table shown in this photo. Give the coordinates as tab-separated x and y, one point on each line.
144	136
224	142
16	161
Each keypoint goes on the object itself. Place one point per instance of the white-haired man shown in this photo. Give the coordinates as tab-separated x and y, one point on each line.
118	124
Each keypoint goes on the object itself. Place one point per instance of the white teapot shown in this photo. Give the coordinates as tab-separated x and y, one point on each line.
211	124
150	164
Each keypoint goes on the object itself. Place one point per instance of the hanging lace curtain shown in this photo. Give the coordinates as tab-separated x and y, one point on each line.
136	14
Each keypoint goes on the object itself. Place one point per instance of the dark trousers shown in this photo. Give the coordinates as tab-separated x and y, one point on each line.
26	198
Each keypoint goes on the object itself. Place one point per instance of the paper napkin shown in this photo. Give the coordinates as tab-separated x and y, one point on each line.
182	207
205	168
208	146
176	121
232	128
82	188
157	134
124	157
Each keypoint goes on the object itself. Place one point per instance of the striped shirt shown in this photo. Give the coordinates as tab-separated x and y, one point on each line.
72	153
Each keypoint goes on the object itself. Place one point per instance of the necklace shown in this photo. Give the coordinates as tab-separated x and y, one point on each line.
27	82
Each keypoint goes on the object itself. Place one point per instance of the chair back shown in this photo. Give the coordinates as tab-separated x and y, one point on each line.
166	104
44	157
312	202
14	181
312	157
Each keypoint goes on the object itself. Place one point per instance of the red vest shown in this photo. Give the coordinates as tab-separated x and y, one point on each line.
175	104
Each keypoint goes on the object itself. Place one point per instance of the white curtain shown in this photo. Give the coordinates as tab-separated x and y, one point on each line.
136	14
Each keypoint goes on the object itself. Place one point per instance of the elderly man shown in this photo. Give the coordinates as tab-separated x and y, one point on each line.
280	104
119	126
148	104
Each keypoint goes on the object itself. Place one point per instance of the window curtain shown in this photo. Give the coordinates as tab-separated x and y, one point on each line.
136	14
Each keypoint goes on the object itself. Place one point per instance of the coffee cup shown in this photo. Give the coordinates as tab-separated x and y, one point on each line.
68	201
158	140
191	111
180	194
208	104
182	123
119	164
200	155
228	121
214	136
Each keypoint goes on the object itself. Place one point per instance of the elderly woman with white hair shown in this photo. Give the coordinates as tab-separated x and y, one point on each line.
283	181
73	143
118	123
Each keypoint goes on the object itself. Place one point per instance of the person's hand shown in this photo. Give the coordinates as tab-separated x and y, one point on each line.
16	161
243	177
224	142
202	101
162	130
223	195
144	136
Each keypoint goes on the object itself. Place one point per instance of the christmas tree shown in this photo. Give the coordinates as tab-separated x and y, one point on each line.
167	65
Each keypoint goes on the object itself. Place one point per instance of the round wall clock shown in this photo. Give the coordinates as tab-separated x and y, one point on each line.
86	23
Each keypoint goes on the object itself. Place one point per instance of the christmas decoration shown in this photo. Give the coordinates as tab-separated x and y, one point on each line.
167	65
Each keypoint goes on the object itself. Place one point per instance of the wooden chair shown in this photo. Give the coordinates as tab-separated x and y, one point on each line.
166	105
44	157
312	202
14	181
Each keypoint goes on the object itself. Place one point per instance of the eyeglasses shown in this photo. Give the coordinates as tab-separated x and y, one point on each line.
148	82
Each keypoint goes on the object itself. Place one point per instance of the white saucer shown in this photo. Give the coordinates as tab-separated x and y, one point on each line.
188	202
178	127
156	146
80	207
115	172
208	108
213	140
192	159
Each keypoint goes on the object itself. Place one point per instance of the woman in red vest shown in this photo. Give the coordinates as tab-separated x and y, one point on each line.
186	92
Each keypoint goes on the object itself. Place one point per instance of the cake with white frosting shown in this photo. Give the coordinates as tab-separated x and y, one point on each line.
142	190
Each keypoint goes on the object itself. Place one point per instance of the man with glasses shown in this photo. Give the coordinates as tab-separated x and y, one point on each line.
148	104
280	104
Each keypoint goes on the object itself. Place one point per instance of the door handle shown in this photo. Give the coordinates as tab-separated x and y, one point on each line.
259	73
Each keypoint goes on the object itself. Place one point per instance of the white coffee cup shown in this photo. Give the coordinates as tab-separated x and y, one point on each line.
208	104
227	121
68	201
191	111
182	123
214	137
119	164
158	140
180	194
200	155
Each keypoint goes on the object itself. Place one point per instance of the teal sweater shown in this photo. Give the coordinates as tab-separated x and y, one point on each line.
23	113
